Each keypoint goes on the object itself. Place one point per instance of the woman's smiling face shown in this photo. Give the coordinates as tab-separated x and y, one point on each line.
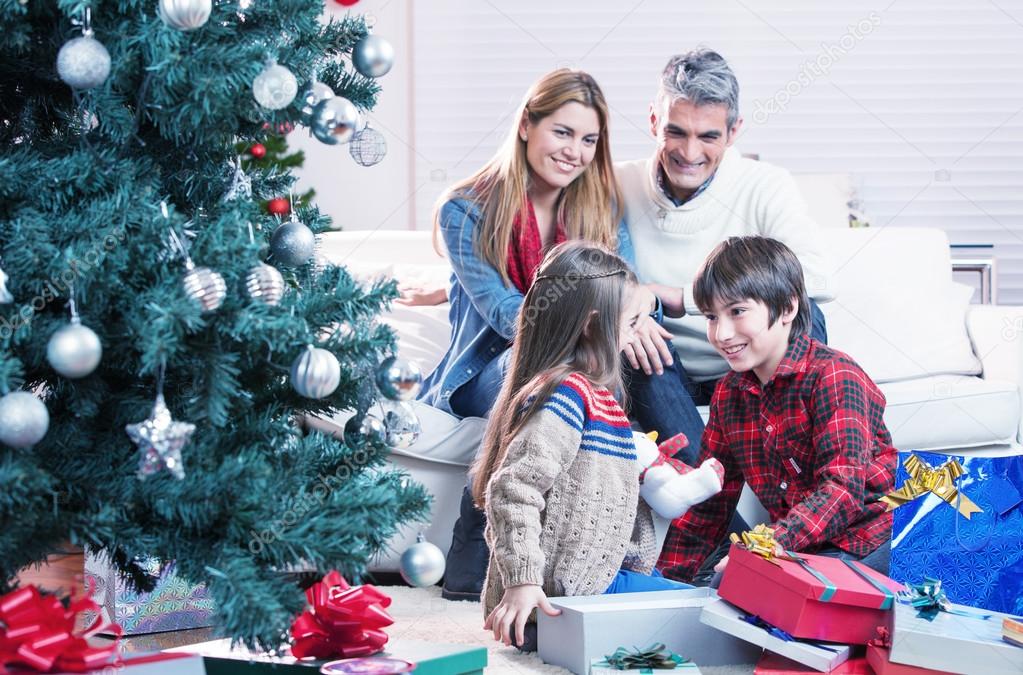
560	146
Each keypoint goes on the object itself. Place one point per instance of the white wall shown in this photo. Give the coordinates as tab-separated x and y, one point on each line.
368	198
920	100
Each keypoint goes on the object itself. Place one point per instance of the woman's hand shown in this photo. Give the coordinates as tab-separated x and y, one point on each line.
417	295
672	300
514	610
648	349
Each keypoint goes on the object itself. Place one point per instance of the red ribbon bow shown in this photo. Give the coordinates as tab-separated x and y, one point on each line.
344	621
38	632
666	455
883	639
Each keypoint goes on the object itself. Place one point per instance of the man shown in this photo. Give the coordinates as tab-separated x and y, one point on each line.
692	194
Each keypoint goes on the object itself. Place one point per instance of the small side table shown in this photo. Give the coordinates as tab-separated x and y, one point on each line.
979	258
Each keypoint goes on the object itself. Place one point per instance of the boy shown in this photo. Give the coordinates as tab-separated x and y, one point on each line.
802	424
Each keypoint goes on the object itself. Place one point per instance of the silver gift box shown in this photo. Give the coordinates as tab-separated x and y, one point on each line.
590	627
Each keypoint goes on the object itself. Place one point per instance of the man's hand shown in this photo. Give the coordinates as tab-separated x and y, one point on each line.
648	348
514	610
673	300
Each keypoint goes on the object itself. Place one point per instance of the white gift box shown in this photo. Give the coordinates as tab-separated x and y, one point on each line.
590	627
954	643
822	656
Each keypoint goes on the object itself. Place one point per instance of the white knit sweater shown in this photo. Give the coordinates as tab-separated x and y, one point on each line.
745	197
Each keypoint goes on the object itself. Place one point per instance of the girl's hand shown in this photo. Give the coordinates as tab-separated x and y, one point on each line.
514	610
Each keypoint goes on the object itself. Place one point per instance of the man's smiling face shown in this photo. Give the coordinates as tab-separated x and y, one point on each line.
691	140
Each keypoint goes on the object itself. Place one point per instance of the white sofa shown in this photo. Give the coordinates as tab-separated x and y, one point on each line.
950	371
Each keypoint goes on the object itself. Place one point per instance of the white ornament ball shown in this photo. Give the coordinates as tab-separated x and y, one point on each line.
185	15
316	373
265	284
422	564
74	350
334	120
402	424
205	287
24	420
275	87
398	379
83	63
373	56
293	243
312	95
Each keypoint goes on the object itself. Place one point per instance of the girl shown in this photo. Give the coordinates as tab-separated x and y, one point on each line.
557	472
552	180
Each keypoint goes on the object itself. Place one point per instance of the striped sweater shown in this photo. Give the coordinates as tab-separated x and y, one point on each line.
563	509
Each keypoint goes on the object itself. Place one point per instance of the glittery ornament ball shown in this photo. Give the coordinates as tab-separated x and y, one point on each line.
293	244
275	88
83	63
24	420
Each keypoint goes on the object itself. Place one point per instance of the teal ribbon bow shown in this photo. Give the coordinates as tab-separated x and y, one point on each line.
929	598
654	657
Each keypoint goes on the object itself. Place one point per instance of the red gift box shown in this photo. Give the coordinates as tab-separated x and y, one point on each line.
877	657
776	664
817	598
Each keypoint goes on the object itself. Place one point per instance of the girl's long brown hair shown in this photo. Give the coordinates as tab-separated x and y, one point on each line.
569	322
590	207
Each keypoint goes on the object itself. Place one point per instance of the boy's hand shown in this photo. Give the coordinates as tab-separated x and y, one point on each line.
514	610
722	564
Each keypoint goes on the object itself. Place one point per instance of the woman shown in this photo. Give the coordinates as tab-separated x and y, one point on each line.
552	180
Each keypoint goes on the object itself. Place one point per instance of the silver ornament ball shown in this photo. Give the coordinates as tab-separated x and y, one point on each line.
398	379
368	147
422	564
312	95
265	284
185	15
334	120
373	56
293	244
316	373
364	431
205	287
83	63
74	350
24	420
402	424
275	88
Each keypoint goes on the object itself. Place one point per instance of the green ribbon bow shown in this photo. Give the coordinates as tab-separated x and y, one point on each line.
654	657
929	598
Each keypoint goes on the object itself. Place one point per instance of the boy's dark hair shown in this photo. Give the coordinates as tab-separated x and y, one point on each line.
755	268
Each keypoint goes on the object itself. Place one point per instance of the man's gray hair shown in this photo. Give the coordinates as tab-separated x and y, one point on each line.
702	77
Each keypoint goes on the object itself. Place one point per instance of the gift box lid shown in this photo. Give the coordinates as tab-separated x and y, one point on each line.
822	578
776	664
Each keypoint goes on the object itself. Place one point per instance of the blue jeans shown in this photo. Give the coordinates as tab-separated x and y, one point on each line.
627	581
666	403
476	397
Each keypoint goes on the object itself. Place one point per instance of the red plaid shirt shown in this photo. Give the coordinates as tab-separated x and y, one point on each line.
813	446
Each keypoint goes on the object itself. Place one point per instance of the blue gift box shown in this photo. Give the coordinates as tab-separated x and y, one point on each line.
979	560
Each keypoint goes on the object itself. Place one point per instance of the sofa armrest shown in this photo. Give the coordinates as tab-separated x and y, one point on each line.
997	335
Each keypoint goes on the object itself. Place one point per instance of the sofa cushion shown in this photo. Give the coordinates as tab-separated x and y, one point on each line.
897	310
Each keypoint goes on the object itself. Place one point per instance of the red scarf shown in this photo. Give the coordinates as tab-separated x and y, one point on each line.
525	249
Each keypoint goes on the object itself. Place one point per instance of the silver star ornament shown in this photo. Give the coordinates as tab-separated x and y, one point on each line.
160	439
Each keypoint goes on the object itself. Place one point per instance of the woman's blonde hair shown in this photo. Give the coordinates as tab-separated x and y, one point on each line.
589	207
569	322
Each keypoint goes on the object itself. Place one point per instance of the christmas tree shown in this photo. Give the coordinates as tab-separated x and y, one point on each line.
124	203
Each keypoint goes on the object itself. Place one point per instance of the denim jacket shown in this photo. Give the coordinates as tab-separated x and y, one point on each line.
483	310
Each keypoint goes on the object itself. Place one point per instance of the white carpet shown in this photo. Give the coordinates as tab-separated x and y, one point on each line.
421	614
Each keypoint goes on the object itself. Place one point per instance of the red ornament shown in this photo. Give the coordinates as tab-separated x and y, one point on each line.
346	3
258	151
279	206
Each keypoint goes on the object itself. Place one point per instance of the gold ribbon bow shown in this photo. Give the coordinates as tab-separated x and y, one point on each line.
941	481
760	540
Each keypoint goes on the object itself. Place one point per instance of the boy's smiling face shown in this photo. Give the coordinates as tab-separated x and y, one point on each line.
740	330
